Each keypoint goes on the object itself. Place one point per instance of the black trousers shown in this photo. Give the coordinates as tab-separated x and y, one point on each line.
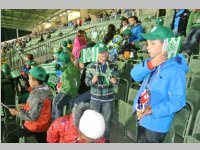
147	136
14	135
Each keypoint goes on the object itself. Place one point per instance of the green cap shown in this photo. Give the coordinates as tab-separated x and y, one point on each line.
127	32
64	43
159	21
121	17
69	41
64	57
38	73
30	62
101	46
158	33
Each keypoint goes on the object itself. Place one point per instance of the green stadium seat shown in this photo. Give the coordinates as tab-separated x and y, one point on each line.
170	137
194	64
195	137
193	96
194	81
126	73
182	122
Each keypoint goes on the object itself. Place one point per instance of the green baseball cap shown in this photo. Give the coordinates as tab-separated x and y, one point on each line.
38	73
159	32
127	32
159	21
64	57
101	46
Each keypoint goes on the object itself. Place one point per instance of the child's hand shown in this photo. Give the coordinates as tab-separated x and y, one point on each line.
14	112
113	80
159	59
94	79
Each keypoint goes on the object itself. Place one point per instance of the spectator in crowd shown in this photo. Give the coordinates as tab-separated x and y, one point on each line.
88	18
80	42
110	34
83	125
125	25
101	77
49	35
179	22
136	29
68	85
194	20
163	91
41	38
36	113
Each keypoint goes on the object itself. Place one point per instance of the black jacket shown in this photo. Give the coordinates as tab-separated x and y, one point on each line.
182	23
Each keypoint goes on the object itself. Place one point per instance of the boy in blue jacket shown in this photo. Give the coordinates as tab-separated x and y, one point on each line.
163	88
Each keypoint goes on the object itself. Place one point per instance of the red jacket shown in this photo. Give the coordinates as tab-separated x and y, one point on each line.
63	130
43	122
37	111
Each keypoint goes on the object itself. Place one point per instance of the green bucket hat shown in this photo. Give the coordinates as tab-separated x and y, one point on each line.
127	32
159	32
64	57
38	73
101	46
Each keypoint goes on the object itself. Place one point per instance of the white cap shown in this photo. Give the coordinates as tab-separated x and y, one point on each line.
92	124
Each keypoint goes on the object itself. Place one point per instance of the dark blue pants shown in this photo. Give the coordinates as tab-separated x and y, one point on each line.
147	136
59	102
105	108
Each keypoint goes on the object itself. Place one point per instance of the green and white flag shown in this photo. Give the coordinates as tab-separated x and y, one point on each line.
49	68
172	46
53	80
89	54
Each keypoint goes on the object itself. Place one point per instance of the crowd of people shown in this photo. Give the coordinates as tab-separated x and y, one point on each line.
87	89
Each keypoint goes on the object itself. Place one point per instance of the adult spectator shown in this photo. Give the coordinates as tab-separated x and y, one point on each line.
179	22
136	29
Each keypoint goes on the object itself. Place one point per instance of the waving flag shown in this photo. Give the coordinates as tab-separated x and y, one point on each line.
89	54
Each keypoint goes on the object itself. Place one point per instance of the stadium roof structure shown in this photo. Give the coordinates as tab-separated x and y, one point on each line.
27	19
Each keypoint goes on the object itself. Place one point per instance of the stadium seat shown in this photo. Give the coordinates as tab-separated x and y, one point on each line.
195	137
182	122
194	64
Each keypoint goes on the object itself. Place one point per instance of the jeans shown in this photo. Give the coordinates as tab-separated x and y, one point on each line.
84	97
147	136
59	102
105	108
14	135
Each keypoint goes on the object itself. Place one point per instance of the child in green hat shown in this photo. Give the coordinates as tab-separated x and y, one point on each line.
69	81
36	113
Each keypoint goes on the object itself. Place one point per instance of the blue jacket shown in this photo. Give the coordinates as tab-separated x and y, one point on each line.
168	91
136	31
